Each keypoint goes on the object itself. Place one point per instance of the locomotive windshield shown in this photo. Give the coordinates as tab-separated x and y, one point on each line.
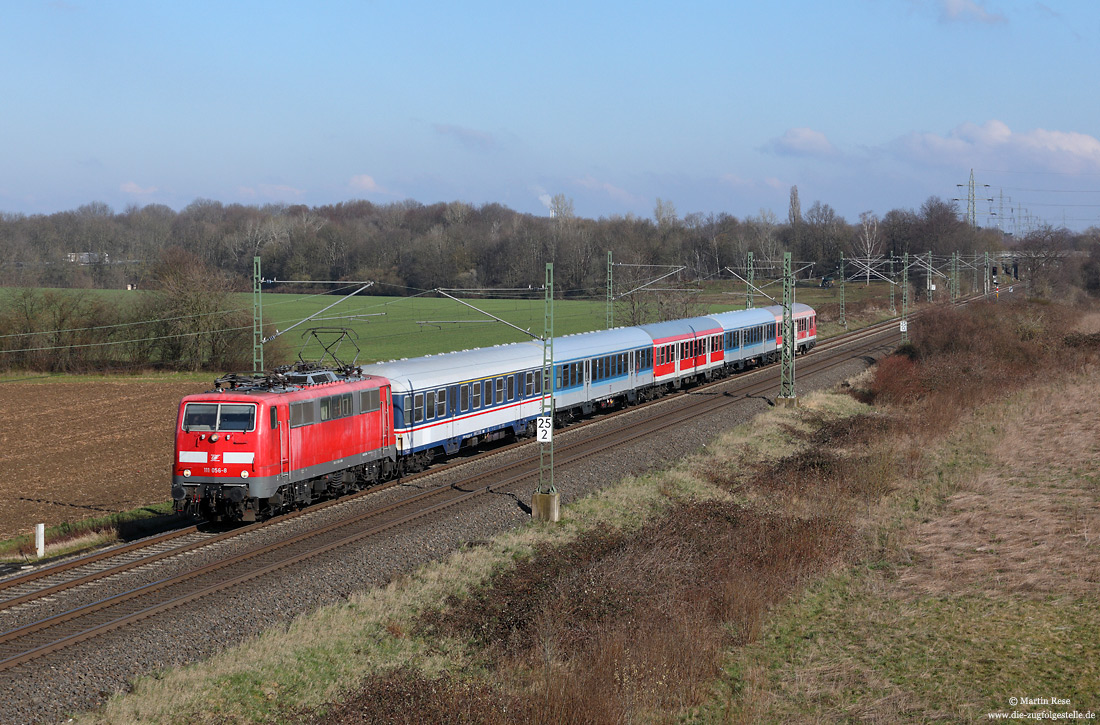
232	417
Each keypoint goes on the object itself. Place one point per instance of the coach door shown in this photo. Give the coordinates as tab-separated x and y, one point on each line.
387	417
284	443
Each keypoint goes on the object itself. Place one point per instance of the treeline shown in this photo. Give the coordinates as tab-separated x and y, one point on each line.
189	322
407	246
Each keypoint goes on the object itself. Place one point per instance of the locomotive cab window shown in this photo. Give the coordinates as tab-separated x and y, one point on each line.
231	417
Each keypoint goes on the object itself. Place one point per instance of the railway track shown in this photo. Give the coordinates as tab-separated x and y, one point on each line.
37	640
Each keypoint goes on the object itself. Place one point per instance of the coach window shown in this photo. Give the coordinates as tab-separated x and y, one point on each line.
499	396
418	408
441	403
464	398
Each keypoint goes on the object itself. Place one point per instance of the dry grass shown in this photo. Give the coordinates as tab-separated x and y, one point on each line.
1037	502
598	631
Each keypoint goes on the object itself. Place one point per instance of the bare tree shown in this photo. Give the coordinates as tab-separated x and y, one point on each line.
665	213
869	242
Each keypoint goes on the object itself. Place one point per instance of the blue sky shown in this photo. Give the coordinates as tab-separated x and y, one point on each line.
713	106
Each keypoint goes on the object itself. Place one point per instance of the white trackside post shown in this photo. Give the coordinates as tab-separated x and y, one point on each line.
40	539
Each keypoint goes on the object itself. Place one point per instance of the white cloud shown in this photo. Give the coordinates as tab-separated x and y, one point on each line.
801	142
131	188
968	10
995	145
541	194
737	181
363	182
611	190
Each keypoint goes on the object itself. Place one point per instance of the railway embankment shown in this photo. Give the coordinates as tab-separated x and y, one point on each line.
919	544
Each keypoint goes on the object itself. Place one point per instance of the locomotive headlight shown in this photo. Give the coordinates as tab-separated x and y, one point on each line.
244	474
187	473
214	438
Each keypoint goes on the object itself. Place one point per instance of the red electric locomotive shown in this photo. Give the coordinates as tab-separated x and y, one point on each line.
257	445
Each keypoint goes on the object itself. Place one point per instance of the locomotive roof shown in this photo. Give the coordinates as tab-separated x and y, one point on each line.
243	392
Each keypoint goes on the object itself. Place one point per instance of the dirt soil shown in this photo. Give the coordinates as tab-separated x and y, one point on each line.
73	450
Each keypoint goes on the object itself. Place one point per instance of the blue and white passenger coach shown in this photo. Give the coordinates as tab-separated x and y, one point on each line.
448	401
597	369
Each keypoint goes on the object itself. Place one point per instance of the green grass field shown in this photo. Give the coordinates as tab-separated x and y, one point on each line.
386	328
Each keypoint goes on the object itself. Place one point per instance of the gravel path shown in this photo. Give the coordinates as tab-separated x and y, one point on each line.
93	672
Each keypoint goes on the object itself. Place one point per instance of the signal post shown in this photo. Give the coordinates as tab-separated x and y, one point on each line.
545	502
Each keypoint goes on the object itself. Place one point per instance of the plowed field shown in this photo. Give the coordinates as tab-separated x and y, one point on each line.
71	450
